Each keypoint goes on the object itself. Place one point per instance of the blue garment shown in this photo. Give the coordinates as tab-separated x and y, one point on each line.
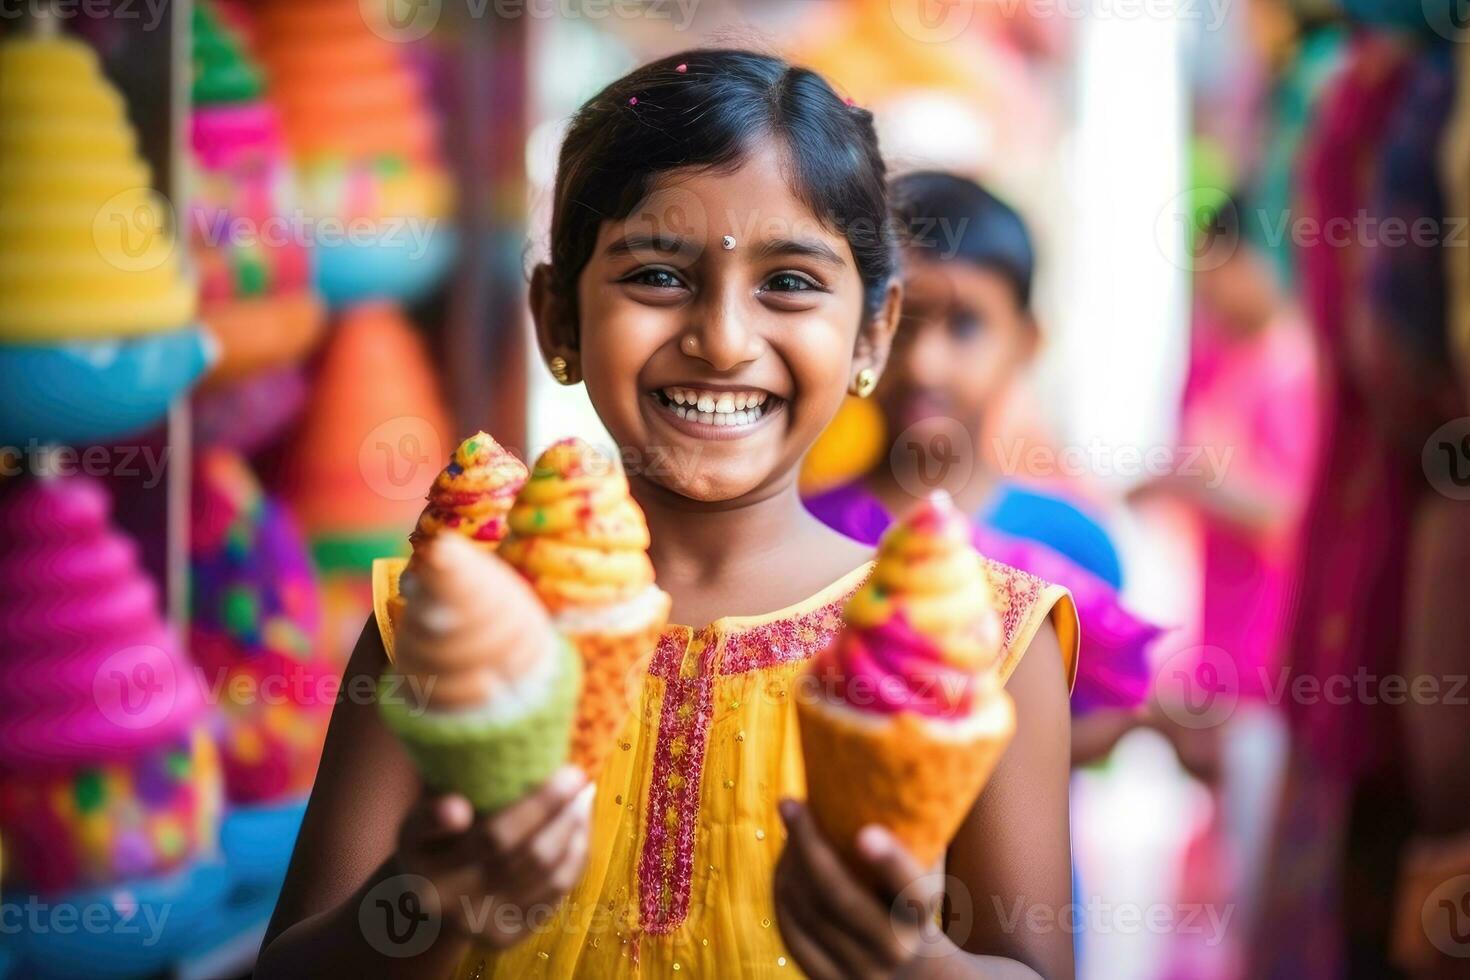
1023	512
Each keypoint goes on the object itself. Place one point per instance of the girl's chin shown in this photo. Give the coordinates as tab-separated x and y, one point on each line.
684	458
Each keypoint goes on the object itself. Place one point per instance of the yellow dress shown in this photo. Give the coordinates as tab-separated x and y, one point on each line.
685	832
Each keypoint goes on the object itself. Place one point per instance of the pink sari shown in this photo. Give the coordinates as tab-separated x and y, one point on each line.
1256	399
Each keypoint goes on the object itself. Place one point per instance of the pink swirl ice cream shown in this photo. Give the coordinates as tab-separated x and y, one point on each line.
922	632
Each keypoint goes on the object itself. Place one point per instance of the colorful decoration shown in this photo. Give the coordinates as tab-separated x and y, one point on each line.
371	441
92	391
358	467
107	773
89	246
365	143
255	618
94	307
251	247
249	414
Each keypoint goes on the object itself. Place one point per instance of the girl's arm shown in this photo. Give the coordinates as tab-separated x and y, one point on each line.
1012	857
1007	887
384	883
364	789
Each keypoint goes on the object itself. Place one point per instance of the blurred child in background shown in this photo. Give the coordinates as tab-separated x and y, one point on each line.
966	335
1251	402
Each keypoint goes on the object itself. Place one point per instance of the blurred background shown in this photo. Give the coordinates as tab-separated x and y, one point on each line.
263	264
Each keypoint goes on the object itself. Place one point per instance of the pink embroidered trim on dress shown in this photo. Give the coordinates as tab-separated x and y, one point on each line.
665	868
1016	593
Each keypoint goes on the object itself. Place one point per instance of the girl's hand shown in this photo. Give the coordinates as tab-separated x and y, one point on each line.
495	878
835	924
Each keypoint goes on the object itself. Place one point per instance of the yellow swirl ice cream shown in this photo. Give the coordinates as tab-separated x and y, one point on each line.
472	496
582	542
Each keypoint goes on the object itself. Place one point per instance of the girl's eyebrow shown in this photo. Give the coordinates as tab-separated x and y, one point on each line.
662	244
807	247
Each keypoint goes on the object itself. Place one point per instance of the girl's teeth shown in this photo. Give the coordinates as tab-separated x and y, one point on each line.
716	408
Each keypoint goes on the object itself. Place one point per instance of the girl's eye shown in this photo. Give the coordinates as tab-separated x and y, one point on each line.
657	278
788	282
965	325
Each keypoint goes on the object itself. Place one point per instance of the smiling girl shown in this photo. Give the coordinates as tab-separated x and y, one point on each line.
722	272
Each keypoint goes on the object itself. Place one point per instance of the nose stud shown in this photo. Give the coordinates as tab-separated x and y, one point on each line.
728	243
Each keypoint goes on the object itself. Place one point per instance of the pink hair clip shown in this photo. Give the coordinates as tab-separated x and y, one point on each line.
633	100
682	68
848	100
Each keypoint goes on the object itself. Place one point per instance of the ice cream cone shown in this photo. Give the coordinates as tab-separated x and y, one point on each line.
916	778
613	667
907	718
578	537
482	691
471	496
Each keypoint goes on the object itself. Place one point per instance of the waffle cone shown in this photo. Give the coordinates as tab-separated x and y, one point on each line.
613	666
916	777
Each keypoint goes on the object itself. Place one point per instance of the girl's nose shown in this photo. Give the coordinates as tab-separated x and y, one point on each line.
721	335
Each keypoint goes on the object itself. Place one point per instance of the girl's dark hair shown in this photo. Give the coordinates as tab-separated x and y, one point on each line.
956	218
708	116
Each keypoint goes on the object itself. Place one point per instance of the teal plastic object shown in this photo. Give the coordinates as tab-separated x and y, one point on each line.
86	392
134	929
349	272
1446	18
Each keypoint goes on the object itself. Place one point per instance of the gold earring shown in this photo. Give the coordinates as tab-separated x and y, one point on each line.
559	370
866	381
